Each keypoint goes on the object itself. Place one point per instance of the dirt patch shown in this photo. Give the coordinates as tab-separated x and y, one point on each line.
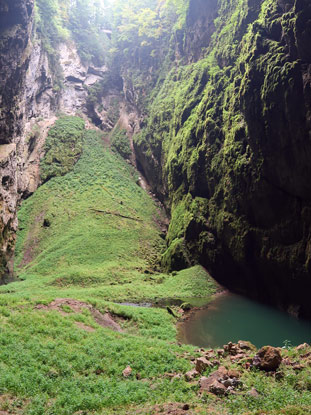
166	409
83	327
32	241
12	406
105	320
69	305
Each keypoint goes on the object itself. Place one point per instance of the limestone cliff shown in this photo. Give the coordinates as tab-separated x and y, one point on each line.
228	135
15	28
31	99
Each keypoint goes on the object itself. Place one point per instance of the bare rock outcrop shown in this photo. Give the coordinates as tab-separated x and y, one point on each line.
15	29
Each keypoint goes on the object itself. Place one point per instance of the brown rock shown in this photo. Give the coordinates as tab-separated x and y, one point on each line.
210	354
298	366
201	364
234	373
169	375
222	371
253	392
268	358
211	382
227	383
237	357
302	346
127	372
245	345
212	385
287	362
231	348
217	388
192	374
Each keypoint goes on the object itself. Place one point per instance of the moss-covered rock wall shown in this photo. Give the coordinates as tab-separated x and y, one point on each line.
226	145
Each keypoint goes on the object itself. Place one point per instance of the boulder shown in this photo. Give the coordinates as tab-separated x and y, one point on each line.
302	346
220	352
210	354
253	392
246	345
213	382
186	306
217	388
192	374
268	358
127	372
201	364
231	349
232	373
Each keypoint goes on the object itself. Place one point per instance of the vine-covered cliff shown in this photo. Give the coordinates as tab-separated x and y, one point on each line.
226	145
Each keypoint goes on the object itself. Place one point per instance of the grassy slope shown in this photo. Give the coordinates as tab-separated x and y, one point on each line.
48	364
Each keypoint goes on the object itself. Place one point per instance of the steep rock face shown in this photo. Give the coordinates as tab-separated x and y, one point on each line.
43	102
227	146
199	30
29	105
15	27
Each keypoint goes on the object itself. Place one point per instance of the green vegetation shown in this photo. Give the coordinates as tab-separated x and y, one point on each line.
87	22
89	233
83	21
197	128
90	236
63	147
50	29
120	142
89	239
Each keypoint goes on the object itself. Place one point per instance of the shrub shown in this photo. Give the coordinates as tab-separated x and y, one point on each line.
120	143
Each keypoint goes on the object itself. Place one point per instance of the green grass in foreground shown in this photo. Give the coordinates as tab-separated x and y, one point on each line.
49	364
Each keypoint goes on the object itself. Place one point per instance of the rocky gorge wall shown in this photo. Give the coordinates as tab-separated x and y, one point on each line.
15	29
31	100
226	145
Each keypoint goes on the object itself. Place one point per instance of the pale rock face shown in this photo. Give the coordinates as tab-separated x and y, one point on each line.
42	102
71	63
73	95
39	95
92	79
39	100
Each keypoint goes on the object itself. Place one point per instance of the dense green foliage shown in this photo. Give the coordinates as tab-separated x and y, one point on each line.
88	21
120	142
50	28
84	22
90	236
63	147
197	136
93	227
